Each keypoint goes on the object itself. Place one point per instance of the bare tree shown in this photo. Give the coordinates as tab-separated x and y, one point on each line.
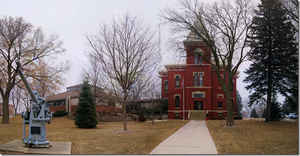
126	50
147	87
94	75
19	40
141	87
16	98
45	79
223	27
20	98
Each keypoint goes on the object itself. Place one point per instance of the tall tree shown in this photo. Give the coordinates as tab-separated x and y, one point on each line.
224	28
16	98
274	57
291	94
86	110
126	49
94	74
19	40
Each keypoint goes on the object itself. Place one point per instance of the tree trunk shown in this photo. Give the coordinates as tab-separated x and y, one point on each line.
124	117
5	110
152	118
269	96
229	101
269	76
229	119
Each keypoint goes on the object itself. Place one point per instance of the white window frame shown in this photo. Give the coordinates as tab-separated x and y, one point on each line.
198	53
198	78
198	92
177	80
220	102
220	96
175	100
166	87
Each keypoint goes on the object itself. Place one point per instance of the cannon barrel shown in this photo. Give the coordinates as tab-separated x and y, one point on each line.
25	82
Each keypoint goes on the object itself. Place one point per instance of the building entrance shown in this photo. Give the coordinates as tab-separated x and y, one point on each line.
198	105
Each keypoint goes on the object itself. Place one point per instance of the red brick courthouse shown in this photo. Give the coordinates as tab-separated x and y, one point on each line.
193	87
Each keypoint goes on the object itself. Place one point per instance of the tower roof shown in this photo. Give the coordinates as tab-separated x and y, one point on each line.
193	40
192	36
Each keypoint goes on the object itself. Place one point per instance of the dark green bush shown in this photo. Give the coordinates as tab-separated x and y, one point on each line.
86	110
238	118
59	113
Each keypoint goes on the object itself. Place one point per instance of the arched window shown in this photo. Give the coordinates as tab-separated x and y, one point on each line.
220	104
198	78
201	79
166	86
198	59
177	101
177	81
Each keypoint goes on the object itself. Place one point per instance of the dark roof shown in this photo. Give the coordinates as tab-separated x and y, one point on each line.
62	96
79	86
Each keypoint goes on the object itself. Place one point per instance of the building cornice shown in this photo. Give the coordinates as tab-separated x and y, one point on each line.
182	66
197	87
163	74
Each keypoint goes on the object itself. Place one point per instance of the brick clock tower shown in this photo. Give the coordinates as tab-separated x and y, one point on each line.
192	89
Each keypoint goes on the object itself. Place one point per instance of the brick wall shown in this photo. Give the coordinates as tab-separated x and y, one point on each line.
211	88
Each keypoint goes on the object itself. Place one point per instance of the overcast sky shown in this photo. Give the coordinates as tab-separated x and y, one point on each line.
71	20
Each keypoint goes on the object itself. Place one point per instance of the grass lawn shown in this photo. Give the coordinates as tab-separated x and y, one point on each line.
255	137
107	138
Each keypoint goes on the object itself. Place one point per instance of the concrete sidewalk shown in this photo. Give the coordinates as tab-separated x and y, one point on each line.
193	138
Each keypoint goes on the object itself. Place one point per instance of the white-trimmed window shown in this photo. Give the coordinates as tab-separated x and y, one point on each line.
177	81
198	78
177	101
201	79
198	94
220	104
198	59
220	96
177	115
166	87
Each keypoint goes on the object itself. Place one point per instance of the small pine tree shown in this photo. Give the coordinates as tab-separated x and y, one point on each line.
86	109
253	113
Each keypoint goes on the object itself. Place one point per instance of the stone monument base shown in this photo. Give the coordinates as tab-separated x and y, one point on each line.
19	146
